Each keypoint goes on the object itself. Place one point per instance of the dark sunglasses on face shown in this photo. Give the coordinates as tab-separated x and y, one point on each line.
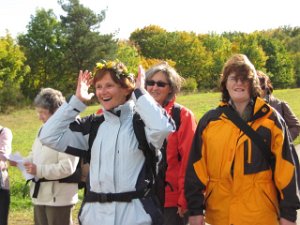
158	83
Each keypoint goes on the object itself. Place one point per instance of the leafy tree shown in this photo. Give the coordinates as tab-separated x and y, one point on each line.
42	45
147	62
84	44
184	48
219	48
192	59
249	45
296	60
293	47
128	54
278	65
12	72
142	39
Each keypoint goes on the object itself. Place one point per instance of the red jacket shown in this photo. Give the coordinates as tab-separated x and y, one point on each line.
178	146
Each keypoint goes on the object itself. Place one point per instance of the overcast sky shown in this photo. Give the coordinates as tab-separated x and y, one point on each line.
199	16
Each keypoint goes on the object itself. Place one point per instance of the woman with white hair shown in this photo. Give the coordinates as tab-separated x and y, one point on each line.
53	200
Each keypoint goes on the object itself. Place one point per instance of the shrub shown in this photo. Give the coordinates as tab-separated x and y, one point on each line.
189	85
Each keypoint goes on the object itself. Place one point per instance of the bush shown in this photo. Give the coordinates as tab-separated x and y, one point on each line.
11	98
189	85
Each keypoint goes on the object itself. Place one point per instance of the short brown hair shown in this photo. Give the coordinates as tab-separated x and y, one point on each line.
241	66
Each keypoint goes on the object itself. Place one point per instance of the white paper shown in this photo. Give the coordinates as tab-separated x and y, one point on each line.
17	157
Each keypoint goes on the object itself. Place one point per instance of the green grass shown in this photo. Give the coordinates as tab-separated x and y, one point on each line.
24	125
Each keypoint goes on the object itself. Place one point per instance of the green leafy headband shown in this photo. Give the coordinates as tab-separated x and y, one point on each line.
118	67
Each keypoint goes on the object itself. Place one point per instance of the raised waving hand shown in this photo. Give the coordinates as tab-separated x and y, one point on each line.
140	80
83	84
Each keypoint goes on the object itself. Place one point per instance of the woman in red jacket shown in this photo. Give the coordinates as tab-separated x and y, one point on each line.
163	83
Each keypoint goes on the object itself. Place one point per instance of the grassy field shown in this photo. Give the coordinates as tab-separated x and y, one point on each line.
24	125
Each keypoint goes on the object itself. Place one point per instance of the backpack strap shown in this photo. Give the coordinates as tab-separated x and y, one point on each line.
252	134
175	113
150	157
95	123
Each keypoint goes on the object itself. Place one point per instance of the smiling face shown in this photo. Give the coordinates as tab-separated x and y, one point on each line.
109	93
238	89
158	87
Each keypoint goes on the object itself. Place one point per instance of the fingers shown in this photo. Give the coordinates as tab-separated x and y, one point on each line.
141	72
141	77
87	75
84	75
91	95
30	167
12	163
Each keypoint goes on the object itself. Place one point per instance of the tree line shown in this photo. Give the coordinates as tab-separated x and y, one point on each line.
53	49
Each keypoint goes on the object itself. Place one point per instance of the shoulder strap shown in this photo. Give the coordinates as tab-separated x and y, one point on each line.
95	123
252	134
150	157
175	113
282	105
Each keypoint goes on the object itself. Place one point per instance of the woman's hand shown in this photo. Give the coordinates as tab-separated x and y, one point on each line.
140	81
286	222
196	220
12	163
181	211
30	168
83	84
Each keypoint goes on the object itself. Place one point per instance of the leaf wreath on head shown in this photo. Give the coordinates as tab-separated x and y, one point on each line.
118	67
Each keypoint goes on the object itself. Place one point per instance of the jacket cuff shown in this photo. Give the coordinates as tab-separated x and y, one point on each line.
195	212
182	201
138	92
288	214
77	105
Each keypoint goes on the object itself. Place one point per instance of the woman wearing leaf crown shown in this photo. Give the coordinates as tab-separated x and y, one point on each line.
117	192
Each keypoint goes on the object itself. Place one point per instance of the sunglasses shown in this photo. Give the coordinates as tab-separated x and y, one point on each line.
158	83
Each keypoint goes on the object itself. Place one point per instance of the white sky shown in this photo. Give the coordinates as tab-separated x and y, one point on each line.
199	16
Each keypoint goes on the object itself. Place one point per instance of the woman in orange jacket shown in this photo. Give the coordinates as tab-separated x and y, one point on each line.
229	179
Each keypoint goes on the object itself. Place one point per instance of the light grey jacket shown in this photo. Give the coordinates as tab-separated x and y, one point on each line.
116	160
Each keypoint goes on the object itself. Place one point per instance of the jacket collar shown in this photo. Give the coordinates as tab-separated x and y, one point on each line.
168	107
260	108
121	112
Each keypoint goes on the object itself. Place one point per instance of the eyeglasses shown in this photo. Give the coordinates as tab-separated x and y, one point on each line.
236	78
158	83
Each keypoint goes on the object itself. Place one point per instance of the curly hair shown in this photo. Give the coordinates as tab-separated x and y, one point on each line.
50	99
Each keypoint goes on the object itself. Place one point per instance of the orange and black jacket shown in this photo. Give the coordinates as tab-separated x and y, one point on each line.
228	178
